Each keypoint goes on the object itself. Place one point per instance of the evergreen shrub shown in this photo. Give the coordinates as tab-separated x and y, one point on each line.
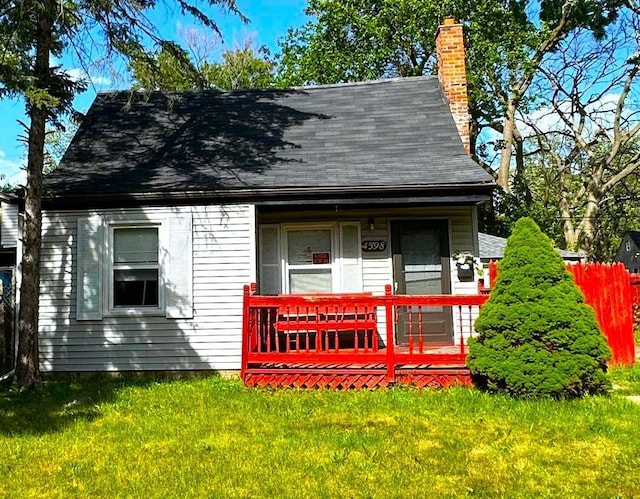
536	336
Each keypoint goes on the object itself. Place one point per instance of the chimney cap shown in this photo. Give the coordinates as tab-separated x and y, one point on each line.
449	21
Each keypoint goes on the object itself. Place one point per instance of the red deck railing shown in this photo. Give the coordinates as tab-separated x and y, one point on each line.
357	330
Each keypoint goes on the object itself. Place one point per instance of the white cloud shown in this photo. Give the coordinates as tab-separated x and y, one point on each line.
12	170
78	74
600	112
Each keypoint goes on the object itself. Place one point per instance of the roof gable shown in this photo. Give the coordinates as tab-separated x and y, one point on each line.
390	133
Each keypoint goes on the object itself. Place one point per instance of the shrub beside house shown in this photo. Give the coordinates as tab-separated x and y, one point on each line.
536	336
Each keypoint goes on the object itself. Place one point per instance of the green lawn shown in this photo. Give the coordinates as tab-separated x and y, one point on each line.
214	437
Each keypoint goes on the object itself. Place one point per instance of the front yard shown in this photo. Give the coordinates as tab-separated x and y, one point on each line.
214	437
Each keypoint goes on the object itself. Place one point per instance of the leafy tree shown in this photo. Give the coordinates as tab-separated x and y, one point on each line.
31	33
587	136
536	336
538	194
56	142
240	68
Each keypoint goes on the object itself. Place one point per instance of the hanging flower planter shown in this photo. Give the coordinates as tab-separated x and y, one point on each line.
467	265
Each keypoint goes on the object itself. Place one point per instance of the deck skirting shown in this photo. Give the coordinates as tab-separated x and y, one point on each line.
353	377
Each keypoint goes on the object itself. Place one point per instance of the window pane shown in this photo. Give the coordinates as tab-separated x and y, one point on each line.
135	245
310	281
135	288
303	244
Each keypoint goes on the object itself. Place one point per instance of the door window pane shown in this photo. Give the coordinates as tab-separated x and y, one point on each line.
310	281
303	244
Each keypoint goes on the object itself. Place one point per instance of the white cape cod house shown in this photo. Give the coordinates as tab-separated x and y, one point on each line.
165	205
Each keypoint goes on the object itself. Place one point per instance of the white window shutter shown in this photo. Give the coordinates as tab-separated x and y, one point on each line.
270	260
90	256
350	258
9	227
178	271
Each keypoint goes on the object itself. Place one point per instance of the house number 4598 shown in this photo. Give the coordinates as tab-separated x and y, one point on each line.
374	245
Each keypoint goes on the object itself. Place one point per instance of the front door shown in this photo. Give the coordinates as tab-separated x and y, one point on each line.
421	267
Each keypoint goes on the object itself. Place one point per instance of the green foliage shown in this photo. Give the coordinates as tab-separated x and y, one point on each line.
241	68
362	40
536	336
168	69
539	189
173	70
56	143
213	437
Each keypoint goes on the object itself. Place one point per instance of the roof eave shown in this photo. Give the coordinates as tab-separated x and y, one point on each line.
264	194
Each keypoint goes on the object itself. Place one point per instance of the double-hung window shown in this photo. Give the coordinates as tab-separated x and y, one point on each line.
134	264
136	269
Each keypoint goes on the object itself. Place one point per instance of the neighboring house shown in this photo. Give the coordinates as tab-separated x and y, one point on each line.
492	248
164	206
9	205
629	251
9	251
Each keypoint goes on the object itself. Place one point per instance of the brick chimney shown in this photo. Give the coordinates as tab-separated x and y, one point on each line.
452	74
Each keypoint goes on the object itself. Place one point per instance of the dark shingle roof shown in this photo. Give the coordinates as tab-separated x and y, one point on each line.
378	134
635	237
492	248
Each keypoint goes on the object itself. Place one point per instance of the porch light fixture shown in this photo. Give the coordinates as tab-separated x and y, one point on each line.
372	223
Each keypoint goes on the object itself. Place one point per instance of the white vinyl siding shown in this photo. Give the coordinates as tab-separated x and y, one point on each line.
223	261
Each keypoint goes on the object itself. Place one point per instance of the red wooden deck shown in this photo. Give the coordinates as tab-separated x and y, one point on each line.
348	340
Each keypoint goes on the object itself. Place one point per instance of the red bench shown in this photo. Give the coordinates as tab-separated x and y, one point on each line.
337	325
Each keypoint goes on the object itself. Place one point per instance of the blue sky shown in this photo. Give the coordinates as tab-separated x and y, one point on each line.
270	20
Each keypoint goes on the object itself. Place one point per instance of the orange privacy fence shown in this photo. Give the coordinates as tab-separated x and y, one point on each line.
609	291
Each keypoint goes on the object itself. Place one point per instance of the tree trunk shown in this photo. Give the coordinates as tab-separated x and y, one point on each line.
509	124
588	223
27	368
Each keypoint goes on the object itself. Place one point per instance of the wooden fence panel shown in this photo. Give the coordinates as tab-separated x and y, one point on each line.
607	289
635	289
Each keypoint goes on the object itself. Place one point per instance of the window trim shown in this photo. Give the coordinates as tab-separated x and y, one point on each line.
110	310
